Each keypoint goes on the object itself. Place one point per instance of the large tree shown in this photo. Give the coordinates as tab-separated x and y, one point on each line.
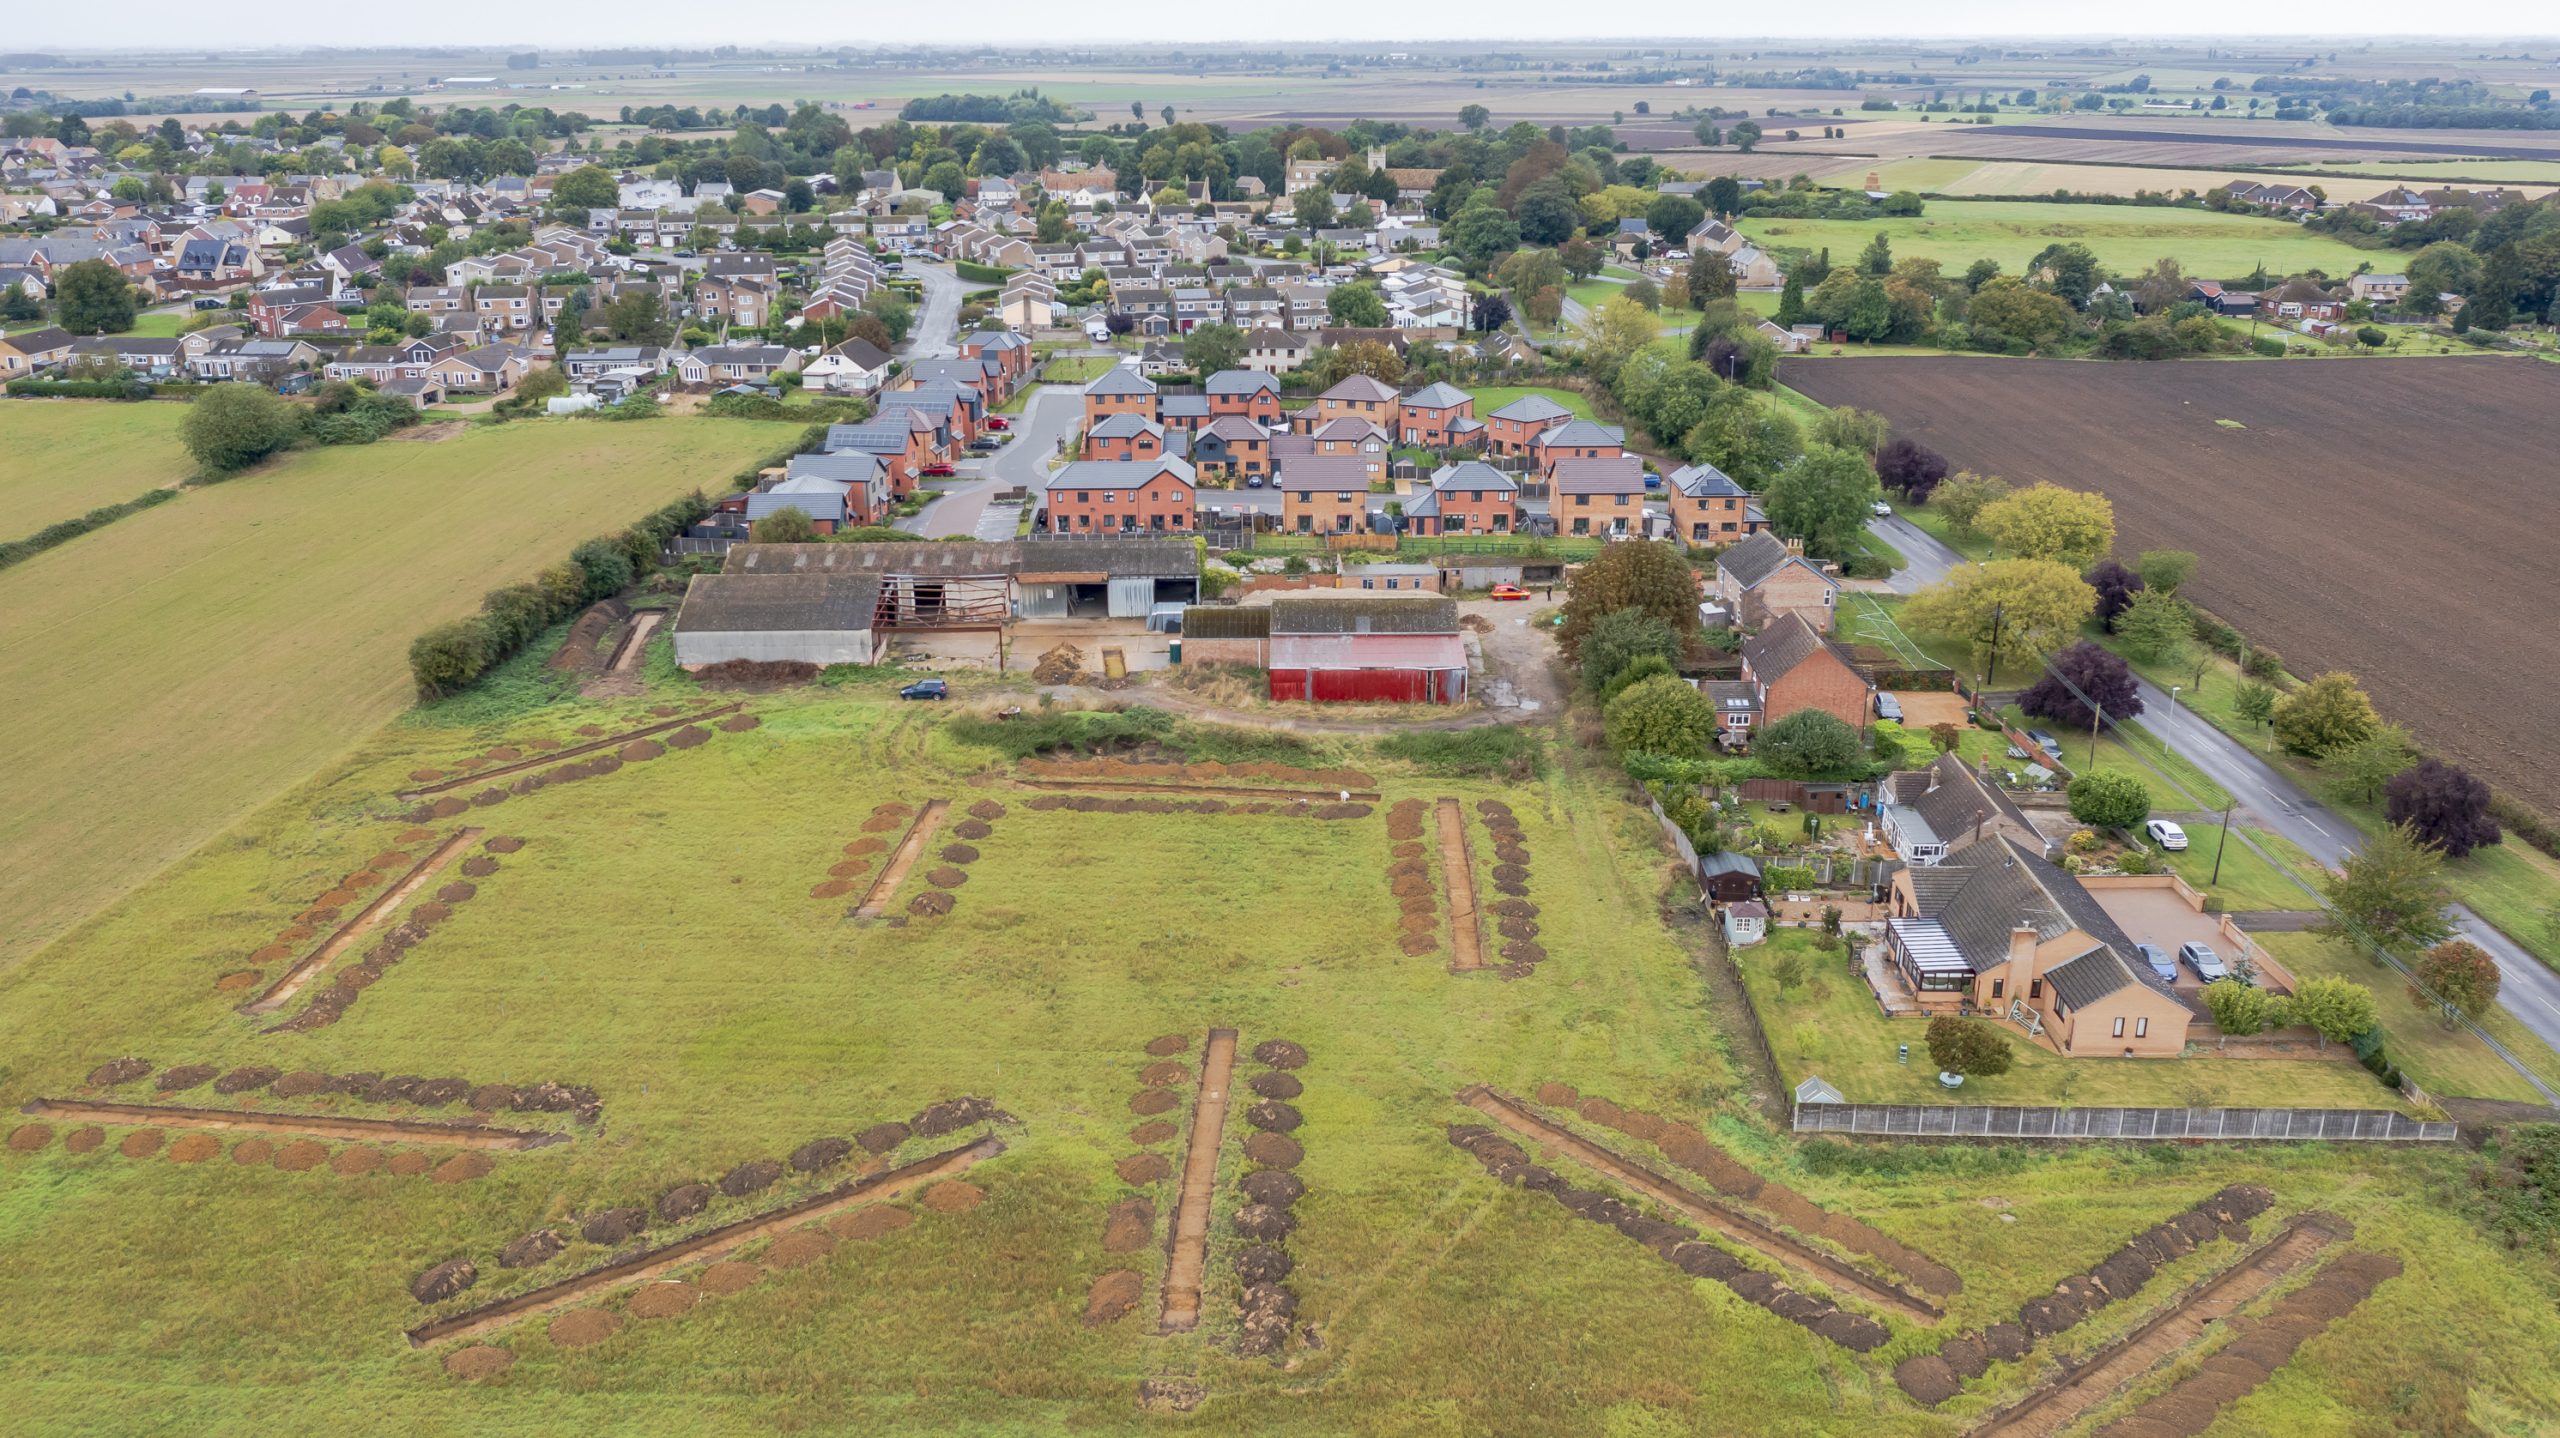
2392	891
232	426
589	187
1806	743
1662	715
1910	468
1356	306
1212	347
1965	1047
2046	521
2109	798
2156	626
1645	575
1620	639
2116	586
2008	610
1825	499
2083	675
2327	714
93	297
1964	495
2442	805
1673	216
2462	976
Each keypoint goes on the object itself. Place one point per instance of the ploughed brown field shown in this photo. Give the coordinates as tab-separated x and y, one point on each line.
2394	518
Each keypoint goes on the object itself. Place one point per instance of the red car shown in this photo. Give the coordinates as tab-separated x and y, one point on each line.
997	422
938	471
1509	591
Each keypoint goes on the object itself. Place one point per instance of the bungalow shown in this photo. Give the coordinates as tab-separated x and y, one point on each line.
2293	199
1158	495
1367	648
1763	578
148	358
27	351
855	367
487	369
1599	496
1930	814
2379	289
731	364
2007	932
1791	666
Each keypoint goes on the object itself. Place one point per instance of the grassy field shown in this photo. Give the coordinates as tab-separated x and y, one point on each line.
2247	882
1957	232
186	664
60	458
2446	1062
1493	397
654	938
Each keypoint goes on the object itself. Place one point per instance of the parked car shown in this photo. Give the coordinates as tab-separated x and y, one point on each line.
1509	591
1253	481
2166	834
926	689
2050	745
2201	958
1888	707
986	443
1881	510
2163	968
937	471
998	423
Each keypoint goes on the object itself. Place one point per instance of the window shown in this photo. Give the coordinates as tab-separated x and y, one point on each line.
1998	986
2035	989
2119	1033
2141	1028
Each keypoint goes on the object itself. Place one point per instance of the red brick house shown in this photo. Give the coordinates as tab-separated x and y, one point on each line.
1121	391
1709	510
1598	496
1789	666
1468	498
1359	396
1425	417
1119	497
1513	429
1124	437
1243	392
1579	439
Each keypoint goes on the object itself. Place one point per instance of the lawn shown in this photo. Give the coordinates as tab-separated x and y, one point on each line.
187	663
655	938
1076	369
1493	397
2247	882
2124	238
2446	1062
61	458
1832	1027
164	324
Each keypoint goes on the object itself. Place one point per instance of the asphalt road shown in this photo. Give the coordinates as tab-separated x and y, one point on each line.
2268	798
936	332
1037	432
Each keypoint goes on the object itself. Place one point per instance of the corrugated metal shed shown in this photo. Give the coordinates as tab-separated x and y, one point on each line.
1226	621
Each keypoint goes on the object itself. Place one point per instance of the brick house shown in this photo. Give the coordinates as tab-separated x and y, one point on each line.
1120	391
1791	666
1930	814
1358	396
1230	445
1124	438
1104	496
1598	496
503	307
1579	439
1354	439
1763	578
1466	498
1709	510
2004	930
1248	393
1513	429
1424	417
1324	495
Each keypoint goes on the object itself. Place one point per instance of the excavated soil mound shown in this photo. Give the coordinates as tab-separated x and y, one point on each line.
252	1150
1279	1054
583	1327
1558	1095
849	868
883	824
408	1163
413	836
1511	887
2006	1342
640	751
1273	1186
882	1137
1408	869
666	1298
1154	1131
739	723
456	892
533	1249
479	866
425	776
1965	1358
1153	1100
1141	1169
1168	1045
731	1277
479	1361
430	912
1276	1085
142	1143
1510	874
820	1153
1412	905
301	1155
1164	1073
502	844
183	1077
1274	1149
444	1280
487	797
1114	1297
614	1225
930	905
1263	1222
246	1079
84	1140
303	1082
953	1196
1262	1263
1928	1379
1518	928
973	830
1273	1116
860	848
954	1114
947	878
868	1223
1131	1222
1423	923
959	853
589	731
987	809
448	807
1409	849
464	1167
237	979
29	1137
354	1162
1411	886
683	1201
1524	951
691	736
831	888
754	1176
800	1248
1416	945
116	1071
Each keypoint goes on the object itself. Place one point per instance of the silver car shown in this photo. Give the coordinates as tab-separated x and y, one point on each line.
2207	964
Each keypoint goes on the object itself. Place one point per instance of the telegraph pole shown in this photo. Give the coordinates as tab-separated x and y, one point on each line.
2216	880
1992	664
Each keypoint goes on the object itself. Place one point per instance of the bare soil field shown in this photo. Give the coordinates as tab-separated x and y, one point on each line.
2386	517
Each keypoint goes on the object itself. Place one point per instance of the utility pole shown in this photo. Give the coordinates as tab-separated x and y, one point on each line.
1991	664
2224	844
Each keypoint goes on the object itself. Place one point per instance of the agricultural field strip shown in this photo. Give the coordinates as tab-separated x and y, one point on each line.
317	1125
1187	1241
2187	1321
902	859
624	1272
1731	1223
293	980
556	756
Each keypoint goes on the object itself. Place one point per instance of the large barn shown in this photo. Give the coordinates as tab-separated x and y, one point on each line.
817	619
1368	647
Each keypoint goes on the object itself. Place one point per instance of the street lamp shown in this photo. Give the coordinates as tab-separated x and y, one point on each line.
2173	697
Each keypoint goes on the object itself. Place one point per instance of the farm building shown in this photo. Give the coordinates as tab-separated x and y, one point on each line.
1368	647
814	618
1227	634
1047	578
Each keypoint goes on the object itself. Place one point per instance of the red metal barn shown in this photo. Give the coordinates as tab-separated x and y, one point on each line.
1368	648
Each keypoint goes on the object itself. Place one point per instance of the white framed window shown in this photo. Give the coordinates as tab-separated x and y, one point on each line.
2142	1028
2119	1033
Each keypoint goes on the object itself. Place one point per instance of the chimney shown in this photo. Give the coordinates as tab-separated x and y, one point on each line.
1795	546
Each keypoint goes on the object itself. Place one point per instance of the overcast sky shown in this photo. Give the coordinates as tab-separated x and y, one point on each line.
1016	22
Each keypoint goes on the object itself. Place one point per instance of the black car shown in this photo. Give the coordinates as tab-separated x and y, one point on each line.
926	689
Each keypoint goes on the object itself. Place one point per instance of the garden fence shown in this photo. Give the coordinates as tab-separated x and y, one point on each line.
2338	1125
